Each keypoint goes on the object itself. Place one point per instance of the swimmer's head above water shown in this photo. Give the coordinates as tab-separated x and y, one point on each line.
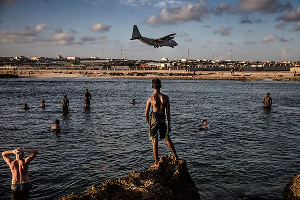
156	83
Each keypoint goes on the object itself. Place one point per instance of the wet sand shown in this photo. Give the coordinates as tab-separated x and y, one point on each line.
162	74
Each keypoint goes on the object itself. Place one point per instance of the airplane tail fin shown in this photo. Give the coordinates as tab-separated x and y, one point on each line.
136	33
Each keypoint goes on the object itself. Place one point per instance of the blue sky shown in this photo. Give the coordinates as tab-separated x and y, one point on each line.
255	30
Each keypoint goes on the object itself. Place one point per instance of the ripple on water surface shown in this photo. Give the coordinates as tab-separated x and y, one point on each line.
249	152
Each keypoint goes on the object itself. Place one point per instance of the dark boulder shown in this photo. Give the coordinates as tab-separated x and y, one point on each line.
171	180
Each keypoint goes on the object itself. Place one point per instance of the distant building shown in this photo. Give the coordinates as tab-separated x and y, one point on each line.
73	58
34	58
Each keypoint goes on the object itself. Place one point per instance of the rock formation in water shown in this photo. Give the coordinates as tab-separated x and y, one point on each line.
171	180
292	189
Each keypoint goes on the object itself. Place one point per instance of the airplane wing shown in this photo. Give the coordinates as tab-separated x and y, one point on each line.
167	37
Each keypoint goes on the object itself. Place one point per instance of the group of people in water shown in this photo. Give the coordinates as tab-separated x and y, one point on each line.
159	122
65	107
19	165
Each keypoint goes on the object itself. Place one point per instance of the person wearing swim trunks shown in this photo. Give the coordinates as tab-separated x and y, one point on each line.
267	101
19	168
87	98
160	105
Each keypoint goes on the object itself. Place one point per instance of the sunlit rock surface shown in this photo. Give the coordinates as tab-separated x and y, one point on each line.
292	189
171	180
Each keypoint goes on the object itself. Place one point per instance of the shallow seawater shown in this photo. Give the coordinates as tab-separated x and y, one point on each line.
249	152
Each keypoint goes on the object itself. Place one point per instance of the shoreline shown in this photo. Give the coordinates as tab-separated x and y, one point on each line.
162	74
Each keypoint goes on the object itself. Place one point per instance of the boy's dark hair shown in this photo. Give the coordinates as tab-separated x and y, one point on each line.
156	83
57	122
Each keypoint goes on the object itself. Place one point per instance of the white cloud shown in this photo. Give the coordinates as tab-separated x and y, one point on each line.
297	26
153	3
179	15
264	6
188	39
103	39
223	7
269	38
59	39
94	2
28	31
100	28
28	35
40	27
292	15
183	34
223	31
250	42
88	39
167	3
15	39
280	26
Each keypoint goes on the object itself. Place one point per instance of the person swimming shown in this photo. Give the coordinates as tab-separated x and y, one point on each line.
42	105
25	107
55	127
204	126
132	101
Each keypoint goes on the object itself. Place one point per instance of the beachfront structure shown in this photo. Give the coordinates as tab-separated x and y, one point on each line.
98	64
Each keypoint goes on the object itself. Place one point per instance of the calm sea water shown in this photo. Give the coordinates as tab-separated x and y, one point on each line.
249	153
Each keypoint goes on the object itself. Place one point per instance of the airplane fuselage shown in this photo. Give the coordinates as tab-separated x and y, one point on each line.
156	44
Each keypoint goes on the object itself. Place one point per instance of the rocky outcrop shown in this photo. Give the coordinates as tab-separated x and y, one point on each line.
292	189
171	180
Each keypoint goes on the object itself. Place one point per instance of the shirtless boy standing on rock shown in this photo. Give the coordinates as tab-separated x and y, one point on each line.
19	168
160	104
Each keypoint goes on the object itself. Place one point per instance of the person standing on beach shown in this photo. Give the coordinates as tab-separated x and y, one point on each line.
267	101
87	97
160	104
19	168
65	104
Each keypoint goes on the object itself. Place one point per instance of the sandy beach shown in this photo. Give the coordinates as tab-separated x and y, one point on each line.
163	74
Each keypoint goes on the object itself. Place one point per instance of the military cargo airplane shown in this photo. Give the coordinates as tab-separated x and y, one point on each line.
159	42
